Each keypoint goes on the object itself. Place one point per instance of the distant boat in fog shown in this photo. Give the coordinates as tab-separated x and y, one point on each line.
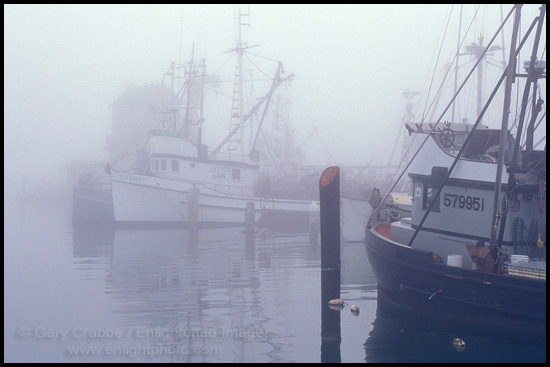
178	181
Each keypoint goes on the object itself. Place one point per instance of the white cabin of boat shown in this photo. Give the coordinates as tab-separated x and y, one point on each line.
461	214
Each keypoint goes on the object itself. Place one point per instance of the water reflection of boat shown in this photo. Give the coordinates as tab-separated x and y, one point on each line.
397	337
219	288
93	241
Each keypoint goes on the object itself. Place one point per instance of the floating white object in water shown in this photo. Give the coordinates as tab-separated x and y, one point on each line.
355	310
337	302
459	344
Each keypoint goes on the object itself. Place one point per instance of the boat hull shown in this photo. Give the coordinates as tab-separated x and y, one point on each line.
412	280
141	200
92	206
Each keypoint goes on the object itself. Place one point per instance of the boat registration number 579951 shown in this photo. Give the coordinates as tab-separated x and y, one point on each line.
464	202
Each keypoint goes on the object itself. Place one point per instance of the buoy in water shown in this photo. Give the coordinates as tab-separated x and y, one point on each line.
337	304
355	310
459	344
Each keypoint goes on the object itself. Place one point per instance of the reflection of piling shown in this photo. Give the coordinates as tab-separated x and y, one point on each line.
249	217
249	246
314	223
193	207
329	194
249	221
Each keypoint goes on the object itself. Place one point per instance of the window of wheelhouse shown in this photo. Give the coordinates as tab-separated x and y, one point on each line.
155	164
163	164
236	174
428	194
175	166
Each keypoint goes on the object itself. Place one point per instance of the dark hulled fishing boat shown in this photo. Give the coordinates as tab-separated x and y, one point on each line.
472	185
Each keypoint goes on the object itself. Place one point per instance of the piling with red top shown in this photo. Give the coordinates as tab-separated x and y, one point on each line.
329	197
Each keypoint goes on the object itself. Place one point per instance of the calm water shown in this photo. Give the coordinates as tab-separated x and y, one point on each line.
87	295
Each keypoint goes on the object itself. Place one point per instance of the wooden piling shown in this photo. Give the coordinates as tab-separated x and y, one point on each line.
329	195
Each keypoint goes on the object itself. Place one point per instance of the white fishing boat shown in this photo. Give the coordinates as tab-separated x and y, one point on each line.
474	249
180	181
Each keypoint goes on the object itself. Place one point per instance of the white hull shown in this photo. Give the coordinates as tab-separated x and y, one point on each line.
148	199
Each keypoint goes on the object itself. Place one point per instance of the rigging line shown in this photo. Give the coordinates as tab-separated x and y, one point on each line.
311	123
540	120
271	155
263	57
131	149
257	67
536	126
225	62
325	147
375	211
355	209
436	63
452	61
308	137
540	141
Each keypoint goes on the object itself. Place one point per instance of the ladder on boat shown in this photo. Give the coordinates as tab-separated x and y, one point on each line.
236	143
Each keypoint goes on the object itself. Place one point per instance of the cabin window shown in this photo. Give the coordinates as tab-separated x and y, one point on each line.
236	174
163	164
428	196
175	166
156	164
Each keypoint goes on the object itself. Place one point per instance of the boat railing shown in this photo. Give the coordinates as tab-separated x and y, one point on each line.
165	132
221	188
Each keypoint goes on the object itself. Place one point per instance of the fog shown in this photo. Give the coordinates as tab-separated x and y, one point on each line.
64	65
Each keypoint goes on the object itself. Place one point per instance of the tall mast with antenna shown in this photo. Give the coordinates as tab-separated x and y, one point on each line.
456	67
478	50
408	117
237	114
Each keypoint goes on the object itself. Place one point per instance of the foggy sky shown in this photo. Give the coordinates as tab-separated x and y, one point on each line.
65	64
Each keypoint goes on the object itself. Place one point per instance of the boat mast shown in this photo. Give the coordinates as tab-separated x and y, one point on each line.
510	74
533	74
189	92
237	114
479	52
407	117
456	67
